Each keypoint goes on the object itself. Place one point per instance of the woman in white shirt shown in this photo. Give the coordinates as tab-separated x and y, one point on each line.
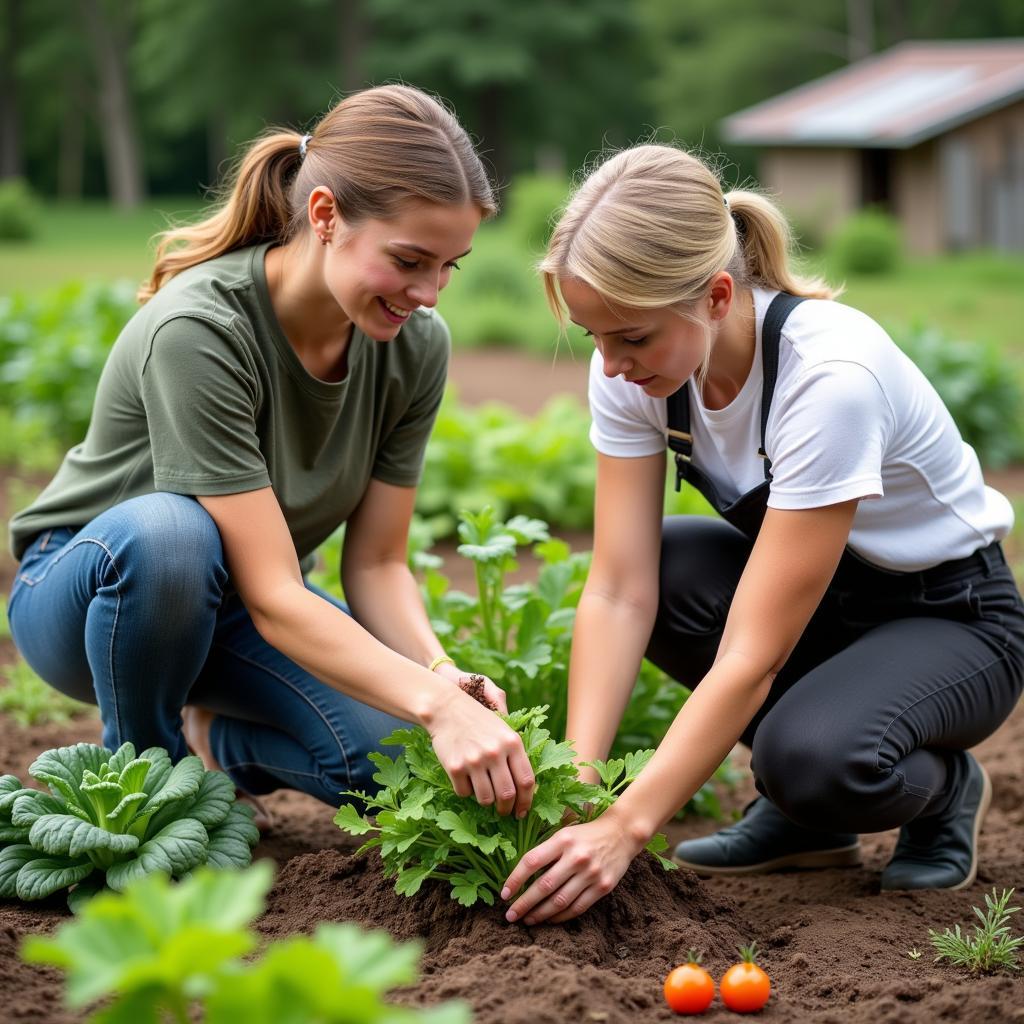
850	616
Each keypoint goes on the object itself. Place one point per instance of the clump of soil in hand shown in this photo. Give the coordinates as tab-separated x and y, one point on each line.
474	686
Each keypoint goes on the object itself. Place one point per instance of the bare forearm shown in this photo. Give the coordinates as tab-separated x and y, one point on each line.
705	730
386	601
336	649
609	640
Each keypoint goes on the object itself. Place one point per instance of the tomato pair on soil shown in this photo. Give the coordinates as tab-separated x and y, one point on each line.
744	987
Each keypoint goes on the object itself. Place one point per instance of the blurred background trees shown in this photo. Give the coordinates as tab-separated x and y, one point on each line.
128	98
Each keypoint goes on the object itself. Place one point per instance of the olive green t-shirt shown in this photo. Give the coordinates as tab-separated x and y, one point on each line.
203	394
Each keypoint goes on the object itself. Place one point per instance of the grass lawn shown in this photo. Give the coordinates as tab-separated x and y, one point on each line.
89	241
979	296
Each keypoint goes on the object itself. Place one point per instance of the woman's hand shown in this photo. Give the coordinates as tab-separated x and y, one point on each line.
483	757
494	693
586	862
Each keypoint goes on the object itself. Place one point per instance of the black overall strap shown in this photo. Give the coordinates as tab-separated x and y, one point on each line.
680	438
771	333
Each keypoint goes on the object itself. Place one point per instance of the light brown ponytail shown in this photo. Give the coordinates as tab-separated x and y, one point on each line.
376	150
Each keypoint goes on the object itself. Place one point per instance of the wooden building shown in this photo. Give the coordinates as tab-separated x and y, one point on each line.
932	131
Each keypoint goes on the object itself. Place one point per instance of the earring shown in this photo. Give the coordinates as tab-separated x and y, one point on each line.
323	239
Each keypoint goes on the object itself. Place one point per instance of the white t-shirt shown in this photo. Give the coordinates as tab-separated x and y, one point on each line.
852	417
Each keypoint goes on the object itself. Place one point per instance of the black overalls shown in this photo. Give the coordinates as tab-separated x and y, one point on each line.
895	673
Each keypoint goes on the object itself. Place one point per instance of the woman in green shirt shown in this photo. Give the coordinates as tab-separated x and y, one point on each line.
281	378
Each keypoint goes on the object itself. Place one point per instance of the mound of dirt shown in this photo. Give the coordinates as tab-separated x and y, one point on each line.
608	965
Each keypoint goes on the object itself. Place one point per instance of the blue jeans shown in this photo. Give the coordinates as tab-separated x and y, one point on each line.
134	612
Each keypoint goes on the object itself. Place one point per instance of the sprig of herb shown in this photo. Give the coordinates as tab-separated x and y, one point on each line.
424	830
991	947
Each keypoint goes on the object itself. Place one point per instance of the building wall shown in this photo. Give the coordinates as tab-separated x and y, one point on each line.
982	181
962	190
817	186
917	198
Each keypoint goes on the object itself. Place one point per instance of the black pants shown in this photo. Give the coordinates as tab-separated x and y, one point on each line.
893	676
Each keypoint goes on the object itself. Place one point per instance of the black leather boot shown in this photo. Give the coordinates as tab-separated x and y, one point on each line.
941	850
764	840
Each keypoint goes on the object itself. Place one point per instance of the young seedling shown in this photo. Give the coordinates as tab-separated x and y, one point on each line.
424	830
991	947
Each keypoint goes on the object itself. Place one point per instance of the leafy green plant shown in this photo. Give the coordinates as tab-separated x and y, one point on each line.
160	949
52	349
424	830
991	947
542	466
869	242
112	818
978	385
30	701
520	634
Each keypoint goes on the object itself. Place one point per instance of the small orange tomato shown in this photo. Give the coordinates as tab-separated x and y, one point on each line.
689	988
745	987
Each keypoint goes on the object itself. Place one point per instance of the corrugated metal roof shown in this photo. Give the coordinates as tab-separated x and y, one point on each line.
895	99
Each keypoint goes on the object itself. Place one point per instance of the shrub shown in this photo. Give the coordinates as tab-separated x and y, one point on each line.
496	297
19	211
979	387
532	207
869	242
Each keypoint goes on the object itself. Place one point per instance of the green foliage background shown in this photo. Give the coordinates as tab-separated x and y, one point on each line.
541	85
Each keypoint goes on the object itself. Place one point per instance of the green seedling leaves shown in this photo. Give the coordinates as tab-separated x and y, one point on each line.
424	831
348	819
991	946
112	818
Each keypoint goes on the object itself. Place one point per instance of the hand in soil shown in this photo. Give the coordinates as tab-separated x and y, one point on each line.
476	685
585	862
482	755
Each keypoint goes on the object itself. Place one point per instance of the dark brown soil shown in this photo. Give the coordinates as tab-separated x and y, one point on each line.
474	686
834	945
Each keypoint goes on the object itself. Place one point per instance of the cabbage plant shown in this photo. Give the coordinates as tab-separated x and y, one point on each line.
111	818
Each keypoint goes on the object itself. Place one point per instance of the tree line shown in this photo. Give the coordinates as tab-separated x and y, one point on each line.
126	98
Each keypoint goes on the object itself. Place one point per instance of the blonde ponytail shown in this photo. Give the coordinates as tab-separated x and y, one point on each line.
766	244
650	227
375	150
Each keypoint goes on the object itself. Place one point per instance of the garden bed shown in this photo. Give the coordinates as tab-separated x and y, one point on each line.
835	947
